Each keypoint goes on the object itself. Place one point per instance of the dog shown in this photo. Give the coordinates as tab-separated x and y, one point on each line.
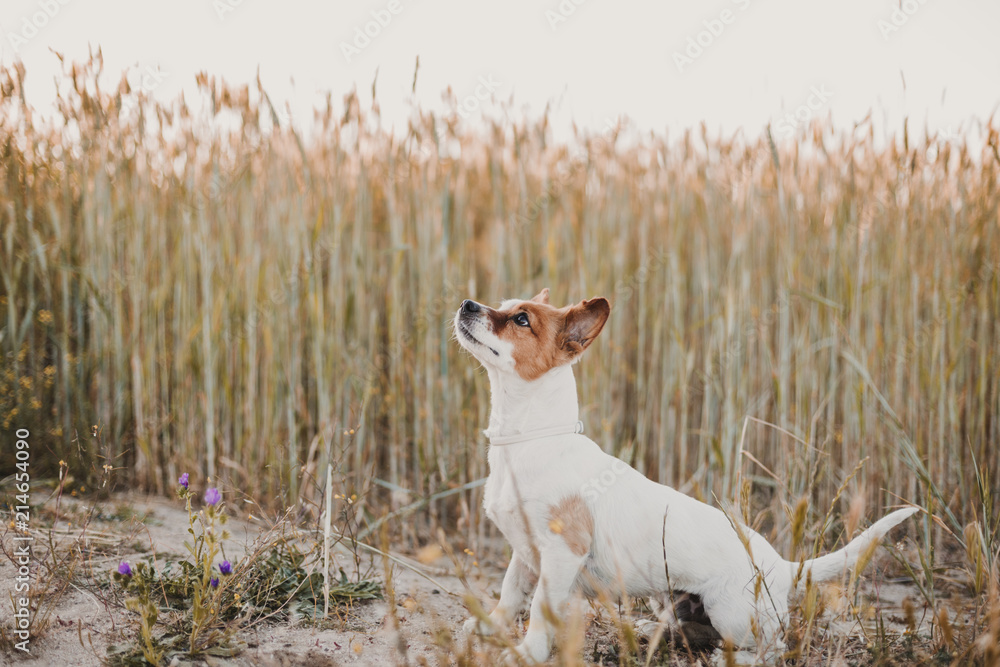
582	521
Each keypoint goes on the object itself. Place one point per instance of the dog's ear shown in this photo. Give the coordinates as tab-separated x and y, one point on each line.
542	297
583	322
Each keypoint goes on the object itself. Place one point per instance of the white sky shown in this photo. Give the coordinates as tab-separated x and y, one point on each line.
607	59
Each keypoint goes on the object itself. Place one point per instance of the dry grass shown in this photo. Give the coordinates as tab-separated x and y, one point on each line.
217	293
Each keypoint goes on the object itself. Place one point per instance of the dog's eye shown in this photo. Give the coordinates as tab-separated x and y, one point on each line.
521	320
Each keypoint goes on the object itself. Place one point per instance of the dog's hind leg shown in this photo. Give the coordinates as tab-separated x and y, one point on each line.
752	627
681	619
518	582
663	608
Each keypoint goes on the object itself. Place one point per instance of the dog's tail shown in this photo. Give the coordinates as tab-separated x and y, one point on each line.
834	564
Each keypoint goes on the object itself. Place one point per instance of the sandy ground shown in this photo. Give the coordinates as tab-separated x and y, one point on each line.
423	607
83	626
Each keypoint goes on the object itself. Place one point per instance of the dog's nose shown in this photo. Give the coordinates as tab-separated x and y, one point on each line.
469	306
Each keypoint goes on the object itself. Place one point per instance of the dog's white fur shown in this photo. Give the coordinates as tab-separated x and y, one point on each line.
633	518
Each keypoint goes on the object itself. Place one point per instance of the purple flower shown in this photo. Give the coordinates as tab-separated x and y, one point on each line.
124	569
212	496
225	567
214	582
183	480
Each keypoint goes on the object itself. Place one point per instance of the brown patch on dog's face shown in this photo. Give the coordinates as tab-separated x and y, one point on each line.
532	328
543	337
572	521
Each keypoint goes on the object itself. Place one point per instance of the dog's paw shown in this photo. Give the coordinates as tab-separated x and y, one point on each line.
529	652
510	658
741	658
516	657
648	628
474	626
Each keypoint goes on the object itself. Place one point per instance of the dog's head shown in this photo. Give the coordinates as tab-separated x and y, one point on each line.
529	337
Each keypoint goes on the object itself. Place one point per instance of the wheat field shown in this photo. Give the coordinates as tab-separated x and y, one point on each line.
217	292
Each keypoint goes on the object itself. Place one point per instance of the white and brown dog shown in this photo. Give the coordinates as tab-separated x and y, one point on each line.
569	538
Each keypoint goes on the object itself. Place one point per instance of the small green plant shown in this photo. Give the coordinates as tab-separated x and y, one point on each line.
139	583
205	546
193	607
196	586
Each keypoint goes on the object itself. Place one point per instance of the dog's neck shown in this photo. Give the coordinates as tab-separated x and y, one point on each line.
519	406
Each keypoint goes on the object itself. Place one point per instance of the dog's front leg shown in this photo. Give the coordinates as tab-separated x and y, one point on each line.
518	582
557	575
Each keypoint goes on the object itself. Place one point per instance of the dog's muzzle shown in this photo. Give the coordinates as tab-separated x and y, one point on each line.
470	310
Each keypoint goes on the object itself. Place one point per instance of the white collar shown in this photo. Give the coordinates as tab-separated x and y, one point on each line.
565	429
